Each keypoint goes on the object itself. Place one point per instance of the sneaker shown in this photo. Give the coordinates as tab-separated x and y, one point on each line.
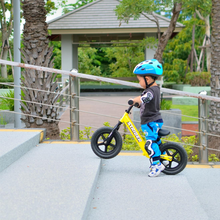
155	170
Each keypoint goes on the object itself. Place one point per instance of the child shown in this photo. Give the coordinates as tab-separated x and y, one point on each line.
149	102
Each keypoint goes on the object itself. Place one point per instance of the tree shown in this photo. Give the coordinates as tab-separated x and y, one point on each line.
88	63
135	8
6	30
127	9
206	19
52	6
37	51
124	59
6	21
214	109
178	51
203	10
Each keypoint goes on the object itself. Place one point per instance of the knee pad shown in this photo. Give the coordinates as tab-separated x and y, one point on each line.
148	148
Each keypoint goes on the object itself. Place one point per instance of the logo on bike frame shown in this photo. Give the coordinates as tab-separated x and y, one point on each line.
134	132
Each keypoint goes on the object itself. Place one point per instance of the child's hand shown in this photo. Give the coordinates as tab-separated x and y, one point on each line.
137	100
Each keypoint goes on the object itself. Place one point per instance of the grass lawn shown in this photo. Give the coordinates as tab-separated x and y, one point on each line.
189	110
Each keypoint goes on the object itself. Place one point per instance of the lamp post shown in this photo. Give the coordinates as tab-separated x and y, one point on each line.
17	58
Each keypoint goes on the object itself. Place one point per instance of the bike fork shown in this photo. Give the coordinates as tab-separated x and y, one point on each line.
109	138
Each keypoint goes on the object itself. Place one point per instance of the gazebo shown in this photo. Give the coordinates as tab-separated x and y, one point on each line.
96	23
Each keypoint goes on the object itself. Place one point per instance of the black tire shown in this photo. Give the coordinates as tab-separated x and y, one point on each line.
103	150
179	158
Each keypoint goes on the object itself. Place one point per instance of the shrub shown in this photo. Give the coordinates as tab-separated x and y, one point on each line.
8	100
83	135
213	158
171	76
175	72
186	141
65	134
165	105
2	120
198	79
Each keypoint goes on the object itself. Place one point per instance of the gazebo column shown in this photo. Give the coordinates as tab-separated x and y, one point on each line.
149	53
69	53
69	60
75	52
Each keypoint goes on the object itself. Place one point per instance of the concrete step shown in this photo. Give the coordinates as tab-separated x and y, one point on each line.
125	192
52	181
16	142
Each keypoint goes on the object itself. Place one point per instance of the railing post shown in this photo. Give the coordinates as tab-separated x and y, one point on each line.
203	141
61	98
66	93
74	88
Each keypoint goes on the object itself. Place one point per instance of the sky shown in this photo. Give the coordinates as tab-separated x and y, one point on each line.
59	11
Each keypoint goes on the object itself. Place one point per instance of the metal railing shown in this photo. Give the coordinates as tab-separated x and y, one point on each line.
71	93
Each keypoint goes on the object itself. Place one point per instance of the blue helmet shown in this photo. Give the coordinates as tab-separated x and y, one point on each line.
149	68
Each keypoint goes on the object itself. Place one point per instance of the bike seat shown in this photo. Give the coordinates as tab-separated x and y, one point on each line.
163	132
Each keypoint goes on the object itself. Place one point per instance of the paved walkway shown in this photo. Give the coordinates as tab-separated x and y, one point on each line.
96	121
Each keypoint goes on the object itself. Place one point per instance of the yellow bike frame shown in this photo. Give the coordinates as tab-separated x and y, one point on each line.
135	133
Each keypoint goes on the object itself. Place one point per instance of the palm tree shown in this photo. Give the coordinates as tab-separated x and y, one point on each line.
37	51
214	110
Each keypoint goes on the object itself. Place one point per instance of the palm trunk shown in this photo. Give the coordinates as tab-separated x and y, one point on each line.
37	52
214	110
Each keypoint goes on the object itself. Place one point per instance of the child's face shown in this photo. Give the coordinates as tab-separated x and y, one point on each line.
141	81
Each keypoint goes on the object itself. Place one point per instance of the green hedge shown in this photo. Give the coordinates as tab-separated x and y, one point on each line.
198	79
6	80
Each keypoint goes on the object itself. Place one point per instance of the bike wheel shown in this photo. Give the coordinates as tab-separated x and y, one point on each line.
103	150
179	158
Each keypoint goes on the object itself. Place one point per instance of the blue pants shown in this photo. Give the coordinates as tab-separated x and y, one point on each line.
151	133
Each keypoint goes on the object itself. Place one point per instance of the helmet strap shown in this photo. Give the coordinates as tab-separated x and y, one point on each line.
148	85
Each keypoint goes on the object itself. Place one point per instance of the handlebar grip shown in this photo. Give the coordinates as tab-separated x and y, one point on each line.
137	105
130	102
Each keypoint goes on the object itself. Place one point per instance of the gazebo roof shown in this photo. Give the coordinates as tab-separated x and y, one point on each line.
98	18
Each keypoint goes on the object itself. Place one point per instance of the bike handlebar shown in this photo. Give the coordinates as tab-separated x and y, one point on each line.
131	102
